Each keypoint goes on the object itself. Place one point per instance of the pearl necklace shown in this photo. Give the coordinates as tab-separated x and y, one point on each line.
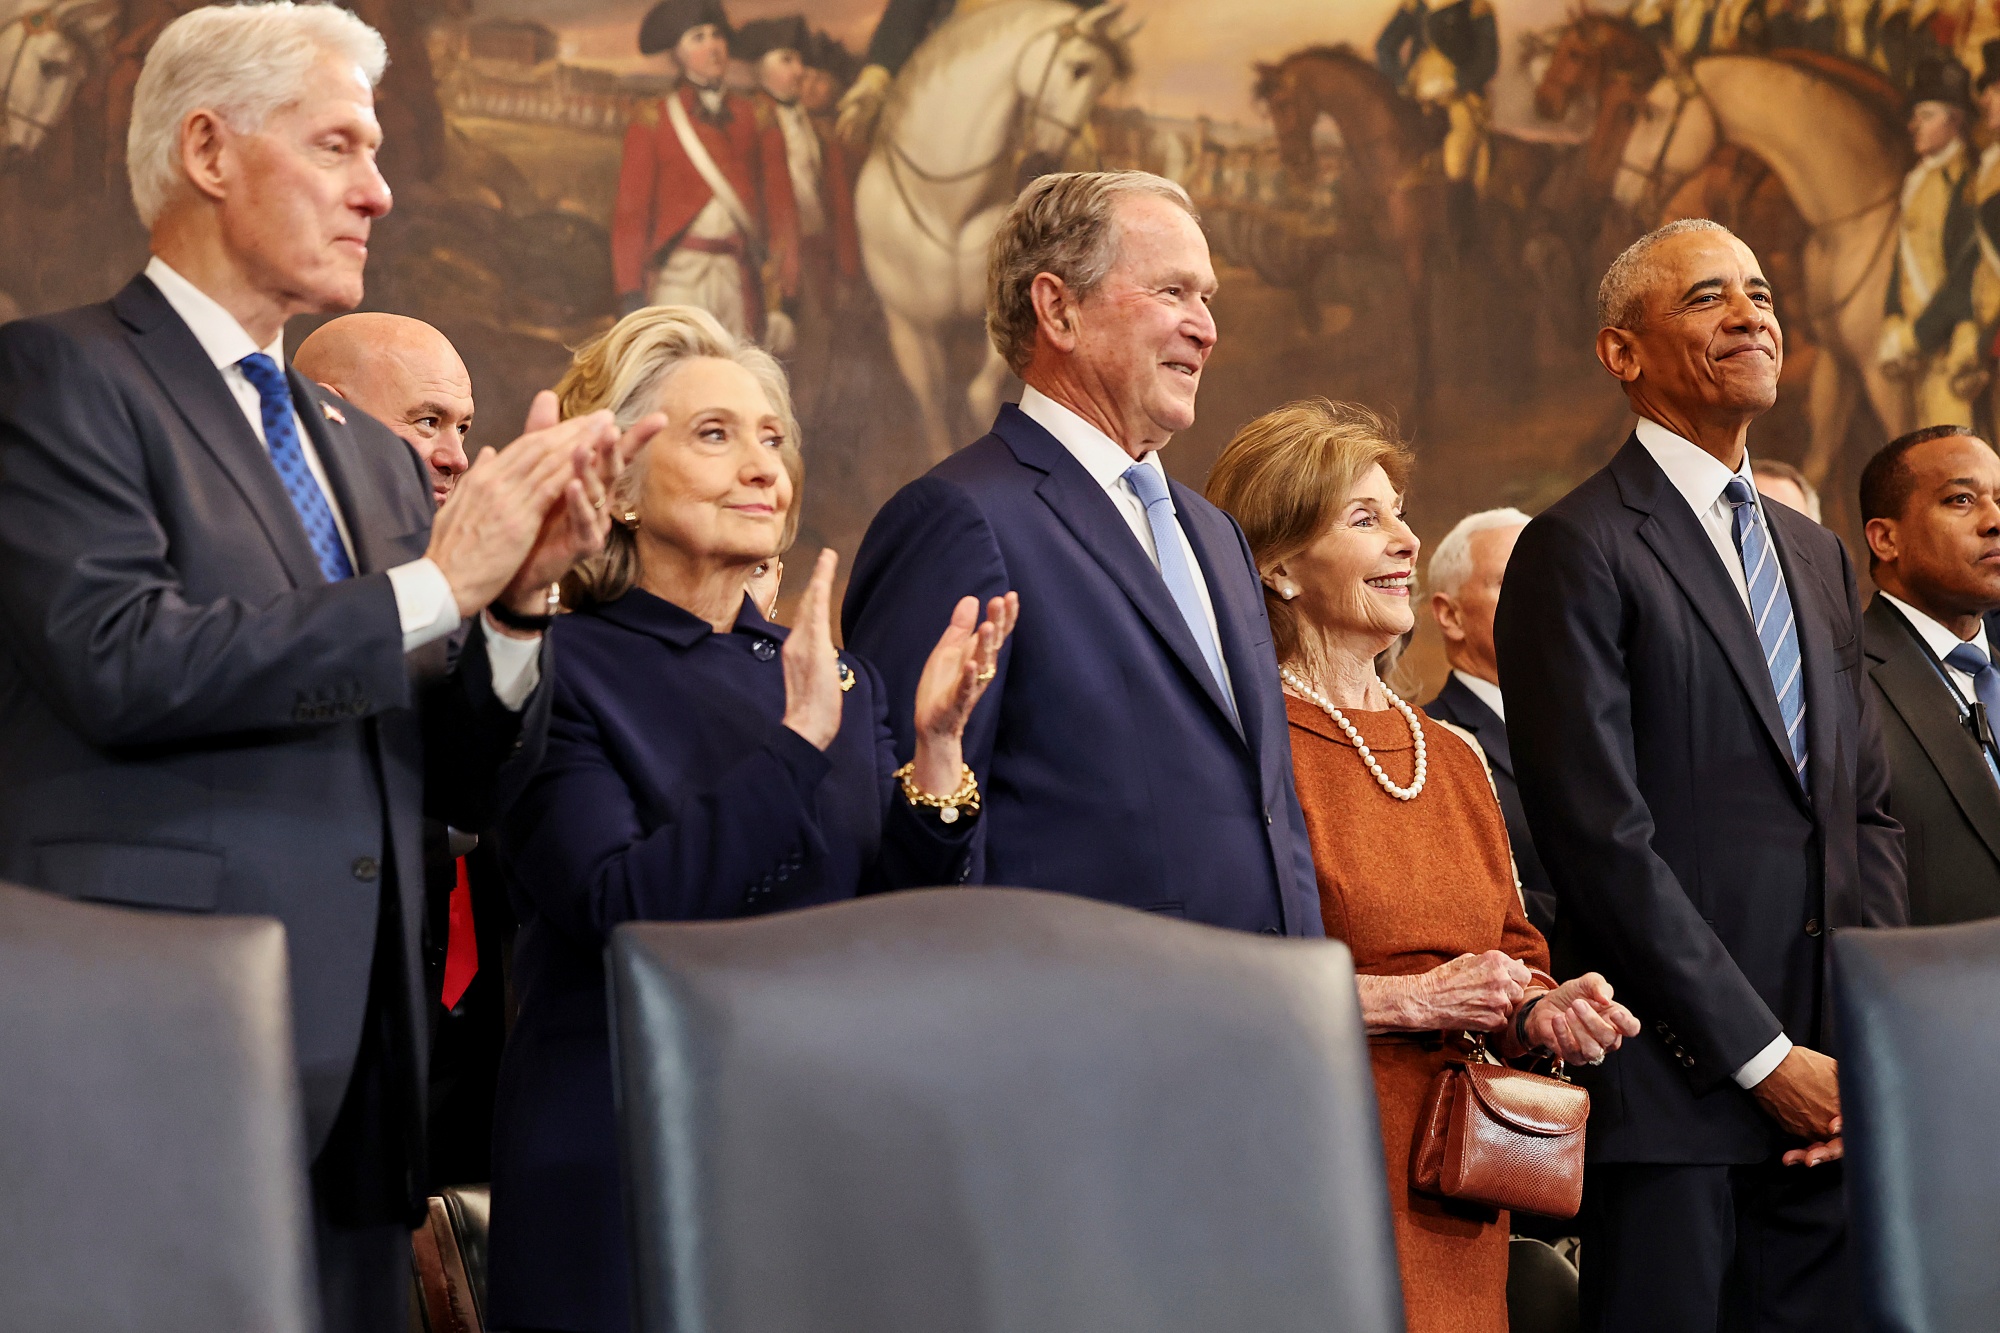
1313	696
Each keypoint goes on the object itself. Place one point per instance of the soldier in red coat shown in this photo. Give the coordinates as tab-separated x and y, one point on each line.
705	211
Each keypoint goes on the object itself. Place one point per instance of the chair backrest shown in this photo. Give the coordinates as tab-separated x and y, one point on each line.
1919	1092
1541	1289
152	1156
449	1255
996	1111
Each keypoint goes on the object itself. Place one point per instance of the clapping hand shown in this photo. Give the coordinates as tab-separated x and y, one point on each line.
1579	1021
812	667
954	679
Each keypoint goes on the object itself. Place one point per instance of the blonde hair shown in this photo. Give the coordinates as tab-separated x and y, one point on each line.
243	62
1285	474
1061	224
625	370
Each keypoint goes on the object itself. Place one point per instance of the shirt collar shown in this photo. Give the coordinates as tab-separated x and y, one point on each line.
1485	690
225	341
1697	474
1935	636
1944	155
1101	456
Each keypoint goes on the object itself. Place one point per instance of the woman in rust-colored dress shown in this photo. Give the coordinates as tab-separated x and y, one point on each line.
1415	875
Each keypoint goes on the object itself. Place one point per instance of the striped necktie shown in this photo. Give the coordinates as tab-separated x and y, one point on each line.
1972	660
1771	610
1150	486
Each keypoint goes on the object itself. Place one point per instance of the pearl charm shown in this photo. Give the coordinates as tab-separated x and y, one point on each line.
1313	696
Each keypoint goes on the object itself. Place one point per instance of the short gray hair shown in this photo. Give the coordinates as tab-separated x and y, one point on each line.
1060	224
243	62
1451	561
1621	296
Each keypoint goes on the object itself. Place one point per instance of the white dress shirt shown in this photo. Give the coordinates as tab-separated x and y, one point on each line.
1106	462
1700	477
425	605
1941	641
1487	692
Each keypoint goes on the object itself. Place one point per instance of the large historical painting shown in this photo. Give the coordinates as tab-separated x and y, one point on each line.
1409	200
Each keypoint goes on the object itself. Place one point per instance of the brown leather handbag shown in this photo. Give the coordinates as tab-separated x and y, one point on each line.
1489	1133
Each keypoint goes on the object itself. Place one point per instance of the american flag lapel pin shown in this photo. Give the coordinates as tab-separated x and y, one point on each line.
333	414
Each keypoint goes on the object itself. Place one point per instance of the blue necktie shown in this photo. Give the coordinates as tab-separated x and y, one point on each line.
282	438
1771	609
1972	660
1151	488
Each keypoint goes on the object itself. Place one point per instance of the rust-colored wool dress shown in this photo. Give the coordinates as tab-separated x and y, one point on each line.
1408	885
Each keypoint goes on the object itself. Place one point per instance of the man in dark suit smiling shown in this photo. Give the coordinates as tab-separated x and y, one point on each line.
1700	763
1134	747
224	676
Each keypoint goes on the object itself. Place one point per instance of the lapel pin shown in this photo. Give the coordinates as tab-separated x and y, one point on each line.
333	414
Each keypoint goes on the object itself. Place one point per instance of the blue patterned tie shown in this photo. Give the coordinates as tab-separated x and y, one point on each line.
281	436
1771	609
1151	487
1972	660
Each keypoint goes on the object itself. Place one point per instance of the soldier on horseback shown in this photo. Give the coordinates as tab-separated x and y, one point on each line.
1444	54
1930	339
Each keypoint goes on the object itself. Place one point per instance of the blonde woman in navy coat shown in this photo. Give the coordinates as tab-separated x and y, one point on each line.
703	763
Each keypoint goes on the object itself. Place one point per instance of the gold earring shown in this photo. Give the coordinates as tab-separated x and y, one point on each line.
631	518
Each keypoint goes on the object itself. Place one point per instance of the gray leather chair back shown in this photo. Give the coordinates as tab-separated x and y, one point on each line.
996	1111
1920	1092
152	1164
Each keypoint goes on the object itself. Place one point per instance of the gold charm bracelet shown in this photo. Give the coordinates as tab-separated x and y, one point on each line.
963	801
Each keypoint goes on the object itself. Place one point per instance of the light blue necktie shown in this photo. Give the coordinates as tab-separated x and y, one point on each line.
1151	488
281	437
1972	660
1771	609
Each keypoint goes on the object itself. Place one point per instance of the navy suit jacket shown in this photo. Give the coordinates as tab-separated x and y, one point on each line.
670	791
1109	766
1692	867
1462	708
191	717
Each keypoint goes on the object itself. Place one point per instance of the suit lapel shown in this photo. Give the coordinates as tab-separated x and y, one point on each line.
1484	724
1214	542
1083	507
1909	680
1678	539
1810	597
196	388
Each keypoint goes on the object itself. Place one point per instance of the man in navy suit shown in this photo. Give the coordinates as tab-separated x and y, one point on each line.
1700	761
1464	579
1134	747
241	654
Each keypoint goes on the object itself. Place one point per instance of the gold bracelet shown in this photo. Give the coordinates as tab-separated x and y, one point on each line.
965	799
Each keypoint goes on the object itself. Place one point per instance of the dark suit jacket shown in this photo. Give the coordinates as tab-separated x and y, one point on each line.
671	791
1940	789
1109	765
191	717
1462	708
1691	866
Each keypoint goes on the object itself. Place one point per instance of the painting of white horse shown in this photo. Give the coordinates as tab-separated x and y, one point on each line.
45	50
994	93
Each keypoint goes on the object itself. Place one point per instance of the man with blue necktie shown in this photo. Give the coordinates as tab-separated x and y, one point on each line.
1701	766
1931	505
232	673
1134	747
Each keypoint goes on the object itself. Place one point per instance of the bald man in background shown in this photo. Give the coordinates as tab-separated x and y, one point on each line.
409	377
406	375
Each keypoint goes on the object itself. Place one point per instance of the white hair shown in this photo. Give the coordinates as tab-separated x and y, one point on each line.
1451	560
243	62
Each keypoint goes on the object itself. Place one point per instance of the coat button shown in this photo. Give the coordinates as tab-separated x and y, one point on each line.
1688	1061
1270	930
764	650
366	868
1812	927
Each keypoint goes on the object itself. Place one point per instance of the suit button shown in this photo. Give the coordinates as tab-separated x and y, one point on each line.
366	868
1270	930
1688	1061
1812	927
764	650
1267	819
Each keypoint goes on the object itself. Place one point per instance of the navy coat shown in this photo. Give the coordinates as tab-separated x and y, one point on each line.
1458	705
1110	766
670	791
